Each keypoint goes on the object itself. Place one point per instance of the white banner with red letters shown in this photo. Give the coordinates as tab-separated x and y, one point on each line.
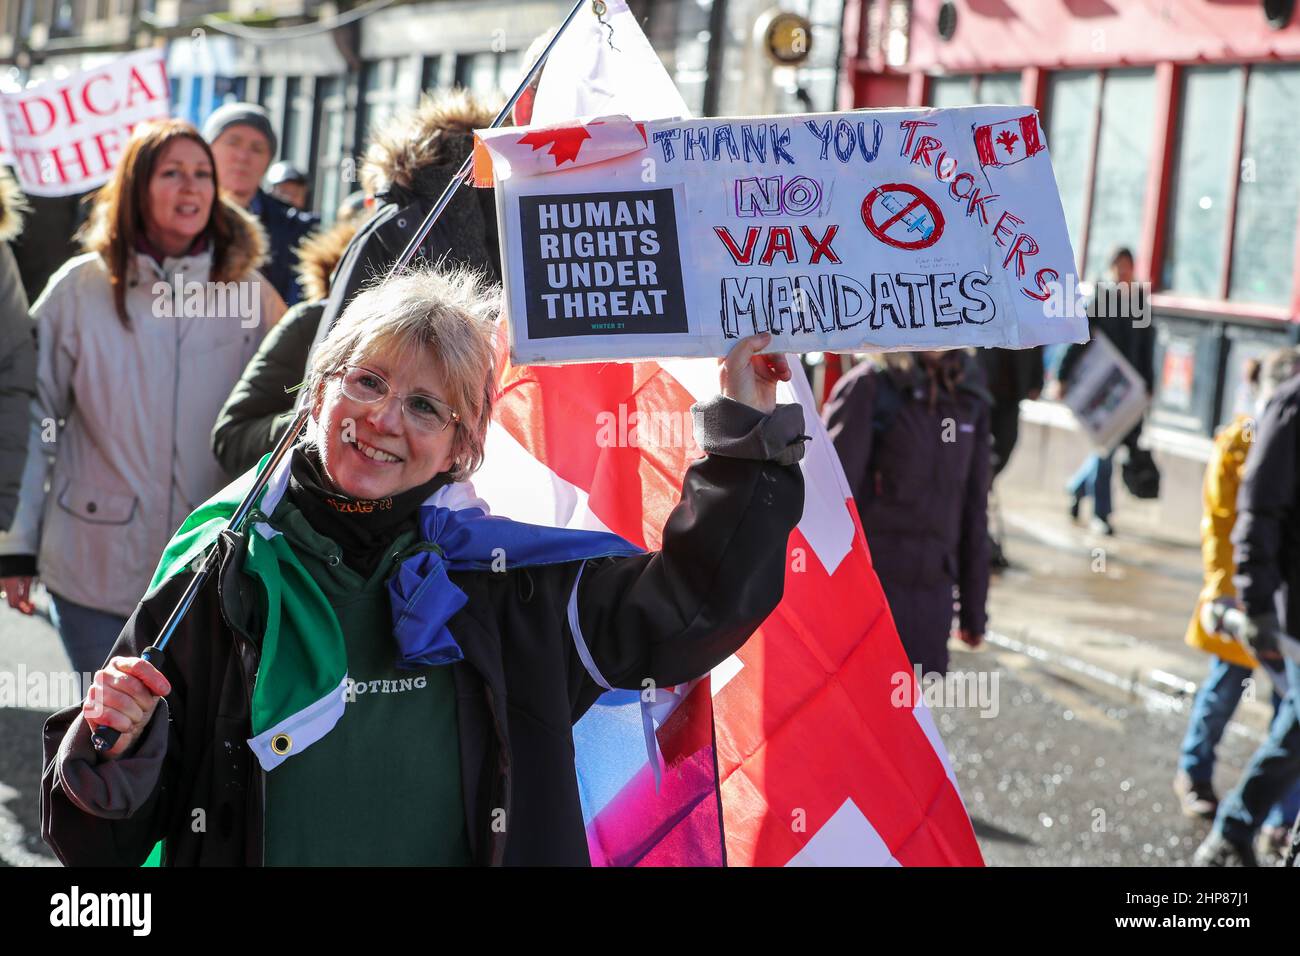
861	231
65	136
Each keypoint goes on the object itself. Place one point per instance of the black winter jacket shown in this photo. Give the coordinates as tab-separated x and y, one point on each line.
669	616
1126	322
261	405
1266	537
285	226
920	478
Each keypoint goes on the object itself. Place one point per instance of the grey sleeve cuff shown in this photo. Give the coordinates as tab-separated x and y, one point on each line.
112	789
733	429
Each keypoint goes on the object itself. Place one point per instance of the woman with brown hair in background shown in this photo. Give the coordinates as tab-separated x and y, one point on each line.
139	341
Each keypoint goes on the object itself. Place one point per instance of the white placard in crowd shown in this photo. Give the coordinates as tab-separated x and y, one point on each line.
860	231
65	136
1106	394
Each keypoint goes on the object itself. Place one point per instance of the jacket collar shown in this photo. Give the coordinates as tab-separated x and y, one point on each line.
150	261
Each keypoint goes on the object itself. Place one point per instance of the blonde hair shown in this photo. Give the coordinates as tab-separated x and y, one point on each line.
451	314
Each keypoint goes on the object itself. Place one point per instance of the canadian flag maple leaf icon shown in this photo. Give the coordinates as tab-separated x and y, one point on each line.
1020	137
565	142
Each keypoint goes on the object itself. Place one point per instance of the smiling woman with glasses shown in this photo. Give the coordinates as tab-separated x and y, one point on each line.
380	672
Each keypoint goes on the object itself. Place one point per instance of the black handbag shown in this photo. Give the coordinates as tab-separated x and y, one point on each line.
1141	476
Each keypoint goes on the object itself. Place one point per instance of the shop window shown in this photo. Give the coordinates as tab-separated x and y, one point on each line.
488	73
266	95
689	43
510	70
808	87
228	89
1003	88
336	175
1072	100
949	91
1198	212
377	100
1123	159
296	145
430	77
1264	232
898	23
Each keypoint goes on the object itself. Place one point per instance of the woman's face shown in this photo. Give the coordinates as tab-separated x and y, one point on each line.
180	196
375	450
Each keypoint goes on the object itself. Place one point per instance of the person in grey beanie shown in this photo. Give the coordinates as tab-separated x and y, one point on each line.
244	143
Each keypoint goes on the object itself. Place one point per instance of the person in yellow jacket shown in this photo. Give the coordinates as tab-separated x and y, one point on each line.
1231	662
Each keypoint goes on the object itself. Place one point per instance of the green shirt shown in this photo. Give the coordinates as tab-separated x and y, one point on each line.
383	788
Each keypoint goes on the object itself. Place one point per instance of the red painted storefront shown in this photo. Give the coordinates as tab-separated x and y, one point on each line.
1178	54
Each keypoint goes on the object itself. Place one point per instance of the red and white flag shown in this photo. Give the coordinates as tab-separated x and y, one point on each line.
559	146
795	751
1001	144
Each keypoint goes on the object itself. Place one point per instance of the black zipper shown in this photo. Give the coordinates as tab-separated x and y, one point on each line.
254	768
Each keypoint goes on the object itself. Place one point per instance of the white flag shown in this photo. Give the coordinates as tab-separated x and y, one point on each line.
603	68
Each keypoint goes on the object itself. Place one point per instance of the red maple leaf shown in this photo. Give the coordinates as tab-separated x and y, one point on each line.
1007	140
564	143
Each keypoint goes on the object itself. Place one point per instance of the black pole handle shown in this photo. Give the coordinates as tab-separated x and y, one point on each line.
105	738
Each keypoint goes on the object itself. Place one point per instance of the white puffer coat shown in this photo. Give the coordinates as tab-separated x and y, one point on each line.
119	453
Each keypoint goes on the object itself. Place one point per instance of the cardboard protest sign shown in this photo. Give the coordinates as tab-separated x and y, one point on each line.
65	136
863	231
1106	394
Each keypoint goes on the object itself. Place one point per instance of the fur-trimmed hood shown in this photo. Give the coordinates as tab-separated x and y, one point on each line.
956	370
248	249
437	134
12	206
319	254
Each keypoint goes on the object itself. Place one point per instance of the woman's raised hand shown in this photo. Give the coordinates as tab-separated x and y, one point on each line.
123	696
751	378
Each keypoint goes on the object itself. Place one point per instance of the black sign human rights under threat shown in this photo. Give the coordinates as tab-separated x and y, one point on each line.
601	263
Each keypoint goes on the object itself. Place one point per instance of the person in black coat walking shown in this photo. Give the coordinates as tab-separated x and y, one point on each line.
1119	311
1267	542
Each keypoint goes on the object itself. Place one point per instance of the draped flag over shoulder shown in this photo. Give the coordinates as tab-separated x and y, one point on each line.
793	751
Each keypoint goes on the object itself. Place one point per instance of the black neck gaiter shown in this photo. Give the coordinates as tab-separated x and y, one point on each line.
363	528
